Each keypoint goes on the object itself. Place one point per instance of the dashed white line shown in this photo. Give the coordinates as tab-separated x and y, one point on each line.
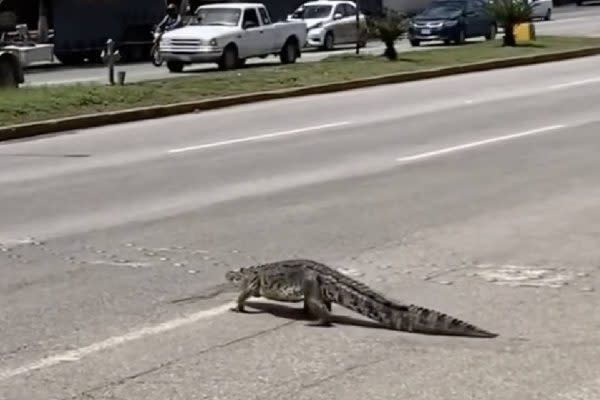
575	83
470	145
260	137
77	354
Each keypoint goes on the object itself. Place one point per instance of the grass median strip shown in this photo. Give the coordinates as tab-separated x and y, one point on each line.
32	104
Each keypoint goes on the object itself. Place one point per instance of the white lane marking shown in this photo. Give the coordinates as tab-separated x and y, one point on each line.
77	354
465	146
260	137
575	83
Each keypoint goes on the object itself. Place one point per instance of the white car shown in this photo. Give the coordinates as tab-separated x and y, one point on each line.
230	33
541	9
330	23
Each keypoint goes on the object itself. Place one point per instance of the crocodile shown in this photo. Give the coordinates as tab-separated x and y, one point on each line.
318	286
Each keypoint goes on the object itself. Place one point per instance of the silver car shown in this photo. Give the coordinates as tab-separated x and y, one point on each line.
330	23
541	9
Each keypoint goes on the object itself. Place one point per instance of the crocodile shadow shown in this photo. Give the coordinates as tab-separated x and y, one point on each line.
293	313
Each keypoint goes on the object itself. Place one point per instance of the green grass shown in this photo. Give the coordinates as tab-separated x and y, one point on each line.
39	103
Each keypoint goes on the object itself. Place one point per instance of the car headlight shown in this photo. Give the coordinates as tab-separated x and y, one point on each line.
451	23
317	25
213	42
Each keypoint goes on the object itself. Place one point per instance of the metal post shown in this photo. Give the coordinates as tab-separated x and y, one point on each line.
121	76
43	22
111	61
110	56
357	26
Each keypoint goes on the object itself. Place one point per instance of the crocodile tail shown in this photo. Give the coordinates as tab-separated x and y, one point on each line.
420	319
408	318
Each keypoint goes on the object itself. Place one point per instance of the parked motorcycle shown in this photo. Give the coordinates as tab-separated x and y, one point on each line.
157	59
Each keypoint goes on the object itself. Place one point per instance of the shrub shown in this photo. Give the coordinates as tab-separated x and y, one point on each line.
388	28
509	13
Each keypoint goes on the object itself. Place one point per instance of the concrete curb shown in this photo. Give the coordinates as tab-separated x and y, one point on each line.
115	117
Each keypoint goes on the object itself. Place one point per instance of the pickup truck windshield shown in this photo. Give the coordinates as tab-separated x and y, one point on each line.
315	12
218	16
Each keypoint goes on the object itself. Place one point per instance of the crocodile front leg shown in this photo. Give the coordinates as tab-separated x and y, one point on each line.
249	288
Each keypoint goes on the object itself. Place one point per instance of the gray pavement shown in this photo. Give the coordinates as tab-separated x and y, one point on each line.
479	203
568	20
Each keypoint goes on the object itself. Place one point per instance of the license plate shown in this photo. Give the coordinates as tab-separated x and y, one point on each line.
426	31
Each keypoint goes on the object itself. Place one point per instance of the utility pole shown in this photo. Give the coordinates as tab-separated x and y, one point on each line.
43	22
357	26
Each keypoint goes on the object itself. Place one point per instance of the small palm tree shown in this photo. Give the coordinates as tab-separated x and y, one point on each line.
389	28
509	13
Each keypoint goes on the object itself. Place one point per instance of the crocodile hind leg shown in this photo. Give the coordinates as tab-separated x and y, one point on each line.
314	302
307	310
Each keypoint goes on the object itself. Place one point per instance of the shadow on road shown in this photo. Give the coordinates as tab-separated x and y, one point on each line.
287	312
293	313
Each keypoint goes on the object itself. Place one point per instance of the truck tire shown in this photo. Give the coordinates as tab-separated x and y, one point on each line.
289	52
229	59
175	66
9	76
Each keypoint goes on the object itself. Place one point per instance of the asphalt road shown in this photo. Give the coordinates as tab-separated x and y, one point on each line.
479	203
568	20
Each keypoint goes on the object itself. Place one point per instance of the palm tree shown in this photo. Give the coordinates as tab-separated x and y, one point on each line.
389	28
509	13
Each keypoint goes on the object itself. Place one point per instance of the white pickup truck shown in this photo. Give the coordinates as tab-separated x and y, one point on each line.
230	33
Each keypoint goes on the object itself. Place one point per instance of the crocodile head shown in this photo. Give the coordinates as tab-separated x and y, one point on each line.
236	276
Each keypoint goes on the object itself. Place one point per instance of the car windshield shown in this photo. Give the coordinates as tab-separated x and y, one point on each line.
443	9
315	12
218	16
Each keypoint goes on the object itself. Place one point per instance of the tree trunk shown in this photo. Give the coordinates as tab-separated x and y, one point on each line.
509	36
390	51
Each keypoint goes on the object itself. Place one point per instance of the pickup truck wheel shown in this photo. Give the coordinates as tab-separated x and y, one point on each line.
289	52
229	59
175	66
8	75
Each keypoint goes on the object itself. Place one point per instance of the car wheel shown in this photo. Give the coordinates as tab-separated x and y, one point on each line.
414	43
328	42
229	59
548	15
289	52
175	66
460	37
491	35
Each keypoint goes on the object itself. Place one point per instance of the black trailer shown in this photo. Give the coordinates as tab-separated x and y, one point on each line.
82	27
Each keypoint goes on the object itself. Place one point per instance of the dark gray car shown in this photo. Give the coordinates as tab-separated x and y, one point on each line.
452	21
